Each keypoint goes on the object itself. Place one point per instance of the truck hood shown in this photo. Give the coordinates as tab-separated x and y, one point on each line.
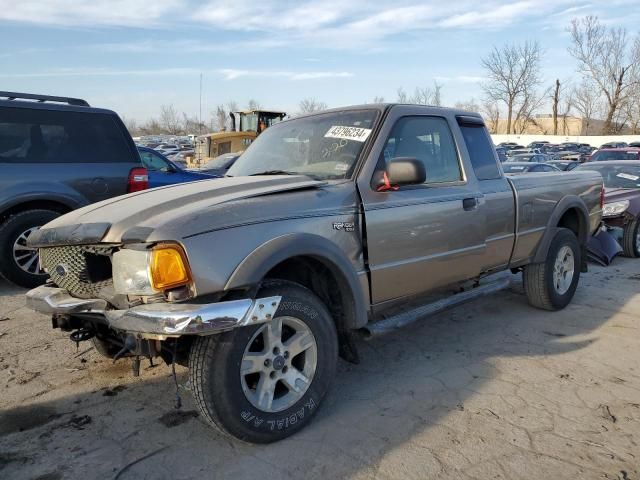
172	212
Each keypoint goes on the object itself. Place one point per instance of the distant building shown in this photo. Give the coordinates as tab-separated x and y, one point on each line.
542	124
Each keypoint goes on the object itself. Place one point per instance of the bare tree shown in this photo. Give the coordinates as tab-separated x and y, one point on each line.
631	111
170	120
220	118
253	105
422	96
232	106
513	76
437	94
470	105
131	125
587	100
531	101
605	56
378	99
402	96
491	113
192	125
310	105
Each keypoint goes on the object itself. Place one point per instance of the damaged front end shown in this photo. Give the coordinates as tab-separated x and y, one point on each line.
137	301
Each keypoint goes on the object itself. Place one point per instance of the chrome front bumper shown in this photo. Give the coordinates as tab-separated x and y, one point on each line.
159	320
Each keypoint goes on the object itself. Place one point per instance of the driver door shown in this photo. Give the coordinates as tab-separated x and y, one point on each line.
426	236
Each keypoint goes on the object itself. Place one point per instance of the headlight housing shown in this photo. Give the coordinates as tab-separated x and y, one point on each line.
148	272
615	208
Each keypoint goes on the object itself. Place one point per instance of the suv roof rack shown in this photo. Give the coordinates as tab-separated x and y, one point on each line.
44	98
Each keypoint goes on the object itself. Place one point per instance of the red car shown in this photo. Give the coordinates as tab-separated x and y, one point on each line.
622	199
607	154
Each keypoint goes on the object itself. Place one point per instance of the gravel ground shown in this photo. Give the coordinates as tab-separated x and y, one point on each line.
494	389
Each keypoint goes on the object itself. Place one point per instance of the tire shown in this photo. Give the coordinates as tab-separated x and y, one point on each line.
225	397
631	239
539	281
13	232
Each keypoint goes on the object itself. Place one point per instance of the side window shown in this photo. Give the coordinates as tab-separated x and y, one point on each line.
481	151
53	136
427	139
153	162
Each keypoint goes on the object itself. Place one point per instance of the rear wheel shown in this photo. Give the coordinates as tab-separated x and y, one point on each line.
551	285
263	383
631	239
19	263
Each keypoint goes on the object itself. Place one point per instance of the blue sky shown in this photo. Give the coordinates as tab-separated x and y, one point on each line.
134	55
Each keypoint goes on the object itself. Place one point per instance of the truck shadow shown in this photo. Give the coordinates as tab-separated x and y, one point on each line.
495	363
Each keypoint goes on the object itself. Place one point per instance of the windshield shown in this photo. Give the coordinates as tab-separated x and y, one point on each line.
615	155
221	161
324	146
513	168
521	158
616	176
249	122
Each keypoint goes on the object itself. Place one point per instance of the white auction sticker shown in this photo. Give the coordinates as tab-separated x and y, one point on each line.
348	133
628	176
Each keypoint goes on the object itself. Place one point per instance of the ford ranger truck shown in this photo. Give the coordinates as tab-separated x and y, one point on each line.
359	219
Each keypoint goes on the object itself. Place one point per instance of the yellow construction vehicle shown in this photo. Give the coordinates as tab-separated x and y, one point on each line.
245	127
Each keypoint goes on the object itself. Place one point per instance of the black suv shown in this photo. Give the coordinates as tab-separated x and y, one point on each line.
56	154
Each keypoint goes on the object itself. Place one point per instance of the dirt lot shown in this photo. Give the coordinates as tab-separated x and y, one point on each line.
494	389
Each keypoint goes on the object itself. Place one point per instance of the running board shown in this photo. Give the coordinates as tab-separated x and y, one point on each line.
410	316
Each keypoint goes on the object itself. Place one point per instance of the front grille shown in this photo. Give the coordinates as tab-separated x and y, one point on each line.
82	270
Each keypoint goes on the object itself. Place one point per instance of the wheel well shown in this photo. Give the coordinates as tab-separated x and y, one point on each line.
572	220
34	205
330	286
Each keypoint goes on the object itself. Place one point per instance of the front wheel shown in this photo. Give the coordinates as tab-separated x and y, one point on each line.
551	285
631	239
263	383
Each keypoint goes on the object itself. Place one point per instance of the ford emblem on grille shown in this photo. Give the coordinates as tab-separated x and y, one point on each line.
61	270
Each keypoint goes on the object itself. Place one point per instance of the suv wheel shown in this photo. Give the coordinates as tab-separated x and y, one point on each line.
19	263
263	383
552	284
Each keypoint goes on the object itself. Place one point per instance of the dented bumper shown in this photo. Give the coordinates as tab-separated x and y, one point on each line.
159	320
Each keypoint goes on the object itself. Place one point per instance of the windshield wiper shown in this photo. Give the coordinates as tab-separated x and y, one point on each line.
274	172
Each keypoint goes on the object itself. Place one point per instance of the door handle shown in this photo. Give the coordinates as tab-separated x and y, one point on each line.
470	203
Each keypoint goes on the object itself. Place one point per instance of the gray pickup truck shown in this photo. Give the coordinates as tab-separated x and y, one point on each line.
359	219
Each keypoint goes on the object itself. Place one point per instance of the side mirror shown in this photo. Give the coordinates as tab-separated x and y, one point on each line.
406	171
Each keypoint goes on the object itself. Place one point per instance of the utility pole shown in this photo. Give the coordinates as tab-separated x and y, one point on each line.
200	117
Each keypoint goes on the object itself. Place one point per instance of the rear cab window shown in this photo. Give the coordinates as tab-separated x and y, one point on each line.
480	148
30	135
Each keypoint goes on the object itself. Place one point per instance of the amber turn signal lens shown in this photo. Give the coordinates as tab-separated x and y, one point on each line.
169	267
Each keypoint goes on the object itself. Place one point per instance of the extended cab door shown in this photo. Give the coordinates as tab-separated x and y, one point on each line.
498	207
424	236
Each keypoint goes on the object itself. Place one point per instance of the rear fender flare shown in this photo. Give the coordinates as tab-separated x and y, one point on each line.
561	208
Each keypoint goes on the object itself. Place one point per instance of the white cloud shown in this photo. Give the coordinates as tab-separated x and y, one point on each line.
227	73
232	74
492	17
100	72
88	13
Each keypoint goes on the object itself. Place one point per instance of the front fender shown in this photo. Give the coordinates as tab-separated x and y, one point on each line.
257	264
